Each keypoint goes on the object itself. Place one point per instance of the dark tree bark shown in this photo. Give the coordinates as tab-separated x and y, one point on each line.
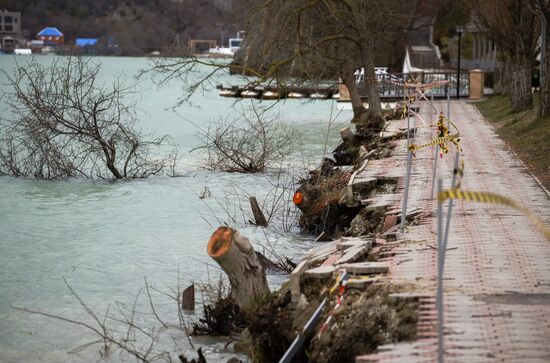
544	105
541	8
375	119
515	30
520	83
356	103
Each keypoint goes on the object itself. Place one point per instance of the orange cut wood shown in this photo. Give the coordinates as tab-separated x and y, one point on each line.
298	198
220	242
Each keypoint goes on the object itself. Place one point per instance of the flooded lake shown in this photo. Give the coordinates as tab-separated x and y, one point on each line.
106	237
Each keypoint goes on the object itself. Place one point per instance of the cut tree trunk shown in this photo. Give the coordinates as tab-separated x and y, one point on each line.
236	256
521	97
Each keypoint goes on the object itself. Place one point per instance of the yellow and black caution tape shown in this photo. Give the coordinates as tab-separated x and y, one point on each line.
455	138
459	172
492	198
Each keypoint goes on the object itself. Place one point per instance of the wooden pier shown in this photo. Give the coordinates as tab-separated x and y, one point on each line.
390	85
274	93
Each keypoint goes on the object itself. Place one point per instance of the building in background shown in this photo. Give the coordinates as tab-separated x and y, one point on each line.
10	23
51	36
10	29
86	45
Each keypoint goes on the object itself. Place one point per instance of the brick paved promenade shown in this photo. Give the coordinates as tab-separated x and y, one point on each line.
497	272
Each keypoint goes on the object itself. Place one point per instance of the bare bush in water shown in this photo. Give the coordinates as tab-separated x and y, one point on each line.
248	144
64	124
124	329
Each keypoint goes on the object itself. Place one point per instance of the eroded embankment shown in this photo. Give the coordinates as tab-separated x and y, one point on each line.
350	203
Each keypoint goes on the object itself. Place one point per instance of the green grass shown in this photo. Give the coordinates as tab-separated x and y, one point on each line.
526	134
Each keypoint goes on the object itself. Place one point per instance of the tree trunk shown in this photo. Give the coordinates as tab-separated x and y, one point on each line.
544	105
236	256
356	103
502	77
520	85
371	84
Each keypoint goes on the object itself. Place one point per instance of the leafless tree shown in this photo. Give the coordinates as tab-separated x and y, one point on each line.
63	124
513	27
248	144
308	42
542	9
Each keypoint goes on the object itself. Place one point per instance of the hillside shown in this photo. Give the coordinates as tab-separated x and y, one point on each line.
138	26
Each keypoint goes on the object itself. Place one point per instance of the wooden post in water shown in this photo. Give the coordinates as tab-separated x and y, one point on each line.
236	256
259	216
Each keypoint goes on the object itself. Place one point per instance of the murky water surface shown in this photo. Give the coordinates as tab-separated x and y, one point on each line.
105	237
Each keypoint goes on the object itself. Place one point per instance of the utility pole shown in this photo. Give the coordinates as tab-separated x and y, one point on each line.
459	31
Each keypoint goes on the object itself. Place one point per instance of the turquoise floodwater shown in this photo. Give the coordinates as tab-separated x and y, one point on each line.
105	237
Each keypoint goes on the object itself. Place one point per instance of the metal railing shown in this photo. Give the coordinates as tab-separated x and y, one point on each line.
390	85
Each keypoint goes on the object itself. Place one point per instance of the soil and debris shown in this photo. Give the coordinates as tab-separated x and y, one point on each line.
360	313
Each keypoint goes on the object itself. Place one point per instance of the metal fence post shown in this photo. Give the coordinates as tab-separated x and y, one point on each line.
448	104
431	107
435	168
407	173
408	105
449	211
406	192
439	291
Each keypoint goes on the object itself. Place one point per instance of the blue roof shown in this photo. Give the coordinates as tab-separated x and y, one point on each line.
85	42
50	32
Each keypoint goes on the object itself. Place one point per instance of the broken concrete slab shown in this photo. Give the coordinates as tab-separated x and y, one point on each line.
361	283
352	254
346	244
295	278
321	272
380	202
365	268
324	248
331	260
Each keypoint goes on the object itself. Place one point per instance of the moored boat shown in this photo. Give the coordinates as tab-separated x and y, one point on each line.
319	96
249	93
228	93
270	95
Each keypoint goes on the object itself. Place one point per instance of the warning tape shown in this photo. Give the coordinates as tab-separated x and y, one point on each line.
492	198
459	172
455	138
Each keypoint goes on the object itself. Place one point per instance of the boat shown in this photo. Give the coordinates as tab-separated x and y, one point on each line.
22	52
319	96
295	95
270	95
249	93
228	93
336	96
234	46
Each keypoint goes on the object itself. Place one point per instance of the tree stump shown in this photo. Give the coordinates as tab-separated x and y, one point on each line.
237	258
258	214
188	298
